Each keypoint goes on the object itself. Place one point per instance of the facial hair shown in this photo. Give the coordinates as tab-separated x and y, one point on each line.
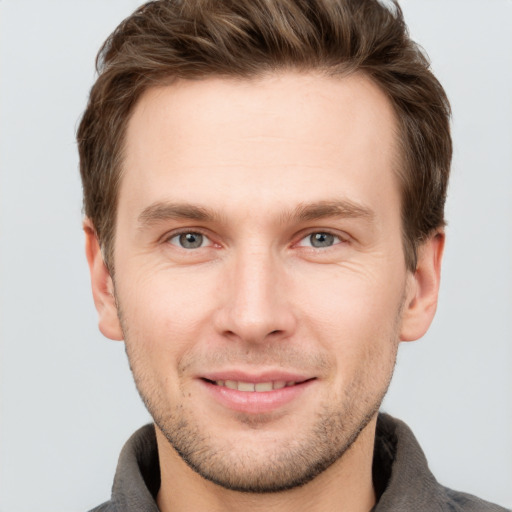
299	458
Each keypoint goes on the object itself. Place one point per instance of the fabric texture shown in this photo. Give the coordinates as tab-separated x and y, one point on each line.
402	480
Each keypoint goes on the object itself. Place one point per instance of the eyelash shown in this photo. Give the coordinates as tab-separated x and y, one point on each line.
178	234
310	234
340	239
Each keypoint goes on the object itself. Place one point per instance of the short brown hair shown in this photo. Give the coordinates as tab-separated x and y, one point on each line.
194	39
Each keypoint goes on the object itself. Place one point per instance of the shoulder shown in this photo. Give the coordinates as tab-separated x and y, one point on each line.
463	502
104	507
405	480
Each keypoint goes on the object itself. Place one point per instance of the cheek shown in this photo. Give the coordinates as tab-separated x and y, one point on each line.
352	300
161	316
355	316
159	326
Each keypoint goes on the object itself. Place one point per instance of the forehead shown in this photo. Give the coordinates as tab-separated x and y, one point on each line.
272	141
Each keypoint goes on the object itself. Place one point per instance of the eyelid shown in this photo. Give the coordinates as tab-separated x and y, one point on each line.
183	231
342	237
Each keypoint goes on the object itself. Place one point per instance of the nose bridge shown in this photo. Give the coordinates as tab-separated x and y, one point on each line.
256	305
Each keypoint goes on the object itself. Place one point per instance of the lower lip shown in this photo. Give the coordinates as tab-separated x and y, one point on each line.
254	402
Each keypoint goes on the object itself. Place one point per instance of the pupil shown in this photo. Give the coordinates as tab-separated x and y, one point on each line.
322	240
191	240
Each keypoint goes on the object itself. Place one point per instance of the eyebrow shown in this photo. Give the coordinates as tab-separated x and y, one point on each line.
164	211
323	209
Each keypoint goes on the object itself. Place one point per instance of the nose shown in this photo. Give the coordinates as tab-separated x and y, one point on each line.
255	299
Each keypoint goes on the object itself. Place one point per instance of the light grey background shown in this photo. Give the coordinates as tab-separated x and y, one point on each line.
67	398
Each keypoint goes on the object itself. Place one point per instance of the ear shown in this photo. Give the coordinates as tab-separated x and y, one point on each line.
102	285
423	289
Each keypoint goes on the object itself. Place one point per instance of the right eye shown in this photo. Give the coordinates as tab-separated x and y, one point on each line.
190	240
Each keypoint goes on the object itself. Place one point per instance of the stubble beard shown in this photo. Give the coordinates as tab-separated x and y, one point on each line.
293	465
296	461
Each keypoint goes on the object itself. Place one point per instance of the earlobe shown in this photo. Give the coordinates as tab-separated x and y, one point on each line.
102	285
423	289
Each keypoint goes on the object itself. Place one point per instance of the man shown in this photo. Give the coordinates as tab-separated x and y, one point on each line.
264	185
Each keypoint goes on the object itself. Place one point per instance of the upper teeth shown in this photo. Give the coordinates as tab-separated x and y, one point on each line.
254	386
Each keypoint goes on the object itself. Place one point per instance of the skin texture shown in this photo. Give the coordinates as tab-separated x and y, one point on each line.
254	169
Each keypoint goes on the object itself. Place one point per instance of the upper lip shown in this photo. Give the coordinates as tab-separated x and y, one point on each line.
244	376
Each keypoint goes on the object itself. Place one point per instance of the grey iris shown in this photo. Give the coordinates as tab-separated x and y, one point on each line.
321	239
191	240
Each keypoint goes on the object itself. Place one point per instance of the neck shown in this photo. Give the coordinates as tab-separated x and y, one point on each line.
346	486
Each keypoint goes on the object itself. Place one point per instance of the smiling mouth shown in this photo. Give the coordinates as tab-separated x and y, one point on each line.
254	387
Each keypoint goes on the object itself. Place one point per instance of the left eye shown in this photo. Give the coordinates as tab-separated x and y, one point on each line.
319	239
190	240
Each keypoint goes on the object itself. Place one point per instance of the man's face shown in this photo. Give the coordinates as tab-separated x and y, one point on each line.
259	271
